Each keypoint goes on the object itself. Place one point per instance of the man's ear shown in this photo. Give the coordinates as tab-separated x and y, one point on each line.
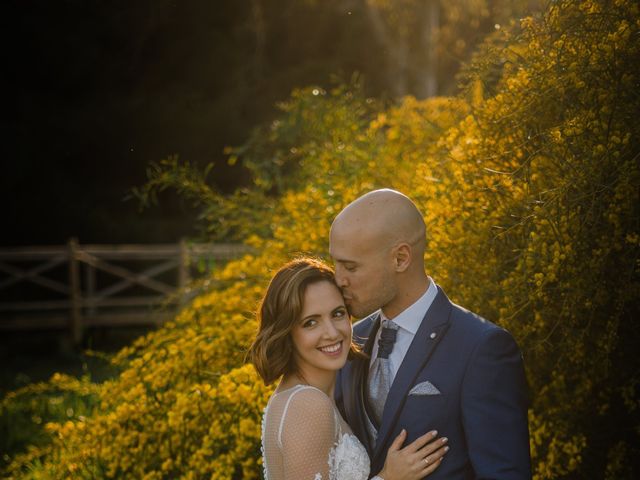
402	257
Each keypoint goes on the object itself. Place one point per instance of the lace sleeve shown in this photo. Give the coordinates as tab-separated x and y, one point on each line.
307	434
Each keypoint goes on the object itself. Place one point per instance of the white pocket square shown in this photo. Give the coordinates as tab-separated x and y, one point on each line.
425	388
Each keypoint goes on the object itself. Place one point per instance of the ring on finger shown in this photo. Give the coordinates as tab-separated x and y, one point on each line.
426	460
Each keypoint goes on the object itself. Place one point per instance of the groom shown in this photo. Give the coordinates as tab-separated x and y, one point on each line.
434	365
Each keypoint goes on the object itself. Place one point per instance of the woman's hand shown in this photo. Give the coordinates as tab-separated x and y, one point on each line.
416	460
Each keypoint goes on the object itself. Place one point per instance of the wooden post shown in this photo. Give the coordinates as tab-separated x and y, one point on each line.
90	285
76	294
183	270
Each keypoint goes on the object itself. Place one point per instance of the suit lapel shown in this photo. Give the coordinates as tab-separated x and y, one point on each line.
432	328
354	382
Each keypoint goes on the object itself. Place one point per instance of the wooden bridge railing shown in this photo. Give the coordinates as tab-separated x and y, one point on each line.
78	286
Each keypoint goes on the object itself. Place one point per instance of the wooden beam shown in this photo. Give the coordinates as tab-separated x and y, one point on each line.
90	307
147	274
121	252
24	275
61	322
140	279
35	322
138	301
33	306
76	295
86	302
130	319
32	253
183	269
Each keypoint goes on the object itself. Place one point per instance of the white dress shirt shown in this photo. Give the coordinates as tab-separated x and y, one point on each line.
408	321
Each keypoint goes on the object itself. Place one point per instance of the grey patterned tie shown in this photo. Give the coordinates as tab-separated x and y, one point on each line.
380	375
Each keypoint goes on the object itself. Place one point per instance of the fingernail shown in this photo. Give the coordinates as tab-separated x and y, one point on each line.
446	449
444	440
434	433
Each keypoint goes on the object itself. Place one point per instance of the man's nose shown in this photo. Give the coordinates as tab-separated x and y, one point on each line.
341	278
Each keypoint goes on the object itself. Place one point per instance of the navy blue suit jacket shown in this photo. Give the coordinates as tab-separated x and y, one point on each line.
483	400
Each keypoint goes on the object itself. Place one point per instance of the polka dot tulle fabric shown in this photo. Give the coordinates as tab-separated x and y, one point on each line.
304	437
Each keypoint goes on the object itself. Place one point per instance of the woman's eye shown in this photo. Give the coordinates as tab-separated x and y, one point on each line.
340	313
309	323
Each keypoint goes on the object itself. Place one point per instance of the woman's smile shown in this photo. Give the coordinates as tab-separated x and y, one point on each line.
332	350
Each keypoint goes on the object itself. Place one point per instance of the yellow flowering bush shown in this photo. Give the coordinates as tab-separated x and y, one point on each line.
529	183
26	413
541	198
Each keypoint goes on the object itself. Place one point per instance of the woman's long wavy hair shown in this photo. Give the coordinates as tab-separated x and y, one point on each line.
272	350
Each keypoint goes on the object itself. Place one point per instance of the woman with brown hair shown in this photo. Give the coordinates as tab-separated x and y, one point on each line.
304	338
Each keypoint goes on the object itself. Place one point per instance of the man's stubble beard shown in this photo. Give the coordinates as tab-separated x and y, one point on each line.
386	293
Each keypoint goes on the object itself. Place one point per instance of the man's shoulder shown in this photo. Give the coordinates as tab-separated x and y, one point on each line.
463	314
474	326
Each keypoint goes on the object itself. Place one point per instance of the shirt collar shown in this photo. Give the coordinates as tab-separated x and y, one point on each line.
410	318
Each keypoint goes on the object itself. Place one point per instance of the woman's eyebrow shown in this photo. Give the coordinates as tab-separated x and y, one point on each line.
312	315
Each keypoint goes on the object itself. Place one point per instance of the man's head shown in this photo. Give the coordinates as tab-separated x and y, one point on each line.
377	243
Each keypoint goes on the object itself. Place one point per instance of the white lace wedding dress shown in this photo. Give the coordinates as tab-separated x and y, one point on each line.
305	438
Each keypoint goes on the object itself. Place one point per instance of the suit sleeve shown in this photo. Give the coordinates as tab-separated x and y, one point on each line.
494	409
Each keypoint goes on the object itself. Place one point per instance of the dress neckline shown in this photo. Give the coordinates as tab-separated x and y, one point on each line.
298	386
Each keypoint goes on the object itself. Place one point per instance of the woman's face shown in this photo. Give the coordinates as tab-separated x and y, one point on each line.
322	336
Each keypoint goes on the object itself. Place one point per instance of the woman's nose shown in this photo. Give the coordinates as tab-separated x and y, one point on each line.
330	329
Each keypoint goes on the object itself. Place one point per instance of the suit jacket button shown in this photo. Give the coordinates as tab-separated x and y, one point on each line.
433	335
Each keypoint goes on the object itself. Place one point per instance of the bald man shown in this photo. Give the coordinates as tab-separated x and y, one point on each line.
449	369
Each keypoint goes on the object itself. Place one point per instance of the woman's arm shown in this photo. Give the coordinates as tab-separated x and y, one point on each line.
308	433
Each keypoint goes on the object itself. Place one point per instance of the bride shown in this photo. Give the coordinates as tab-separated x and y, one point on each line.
304	338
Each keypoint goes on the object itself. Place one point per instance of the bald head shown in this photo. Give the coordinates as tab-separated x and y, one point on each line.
377	243
383	217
